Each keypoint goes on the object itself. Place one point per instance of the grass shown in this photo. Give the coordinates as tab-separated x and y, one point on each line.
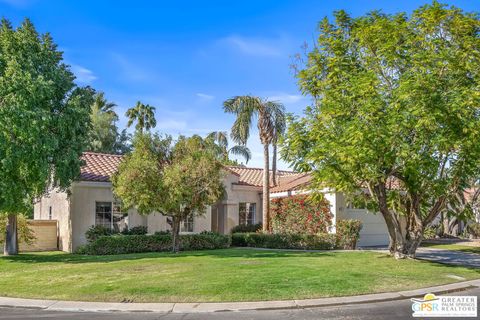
455	247
217	275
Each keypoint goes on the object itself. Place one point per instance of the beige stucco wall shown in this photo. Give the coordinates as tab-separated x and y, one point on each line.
236	194
60	204
75	214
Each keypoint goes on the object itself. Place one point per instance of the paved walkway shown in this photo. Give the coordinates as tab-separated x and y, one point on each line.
391	310
68	306
449	257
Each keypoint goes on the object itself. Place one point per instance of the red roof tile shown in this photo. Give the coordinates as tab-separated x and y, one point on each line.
99	166
254	176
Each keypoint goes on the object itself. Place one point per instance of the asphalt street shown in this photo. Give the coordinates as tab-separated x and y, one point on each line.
400	309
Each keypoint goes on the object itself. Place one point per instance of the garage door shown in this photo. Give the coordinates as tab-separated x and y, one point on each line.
374	231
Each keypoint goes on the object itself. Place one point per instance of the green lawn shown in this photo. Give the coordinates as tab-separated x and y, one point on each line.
217	275
456	247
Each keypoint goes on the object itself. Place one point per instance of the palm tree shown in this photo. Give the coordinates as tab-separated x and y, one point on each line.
220	139
279	129
144	115
100	104
246	108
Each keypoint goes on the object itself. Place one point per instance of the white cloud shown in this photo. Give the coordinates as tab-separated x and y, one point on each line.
84	75
286	98
254	46
205	96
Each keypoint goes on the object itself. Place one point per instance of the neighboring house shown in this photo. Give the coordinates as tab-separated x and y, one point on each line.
90	201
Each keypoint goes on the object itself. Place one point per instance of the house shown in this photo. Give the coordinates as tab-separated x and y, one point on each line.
90	201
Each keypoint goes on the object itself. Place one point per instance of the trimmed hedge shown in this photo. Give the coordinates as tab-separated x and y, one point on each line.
242	228
121	244
321	241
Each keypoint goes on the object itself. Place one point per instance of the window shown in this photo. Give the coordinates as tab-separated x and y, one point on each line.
187	225
111	216
246	213
50	213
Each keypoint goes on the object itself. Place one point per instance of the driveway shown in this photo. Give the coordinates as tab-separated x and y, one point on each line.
449	257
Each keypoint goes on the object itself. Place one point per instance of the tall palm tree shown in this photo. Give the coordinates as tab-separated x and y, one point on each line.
220	139
246	108
279	130
144	115
101	104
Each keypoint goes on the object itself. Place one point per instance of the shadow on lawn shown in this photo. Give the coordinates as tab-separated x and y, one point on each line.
60	257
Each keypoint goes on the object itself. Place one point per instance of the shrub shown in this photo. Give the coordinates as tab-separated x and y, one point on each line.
95	232
321	241
162	232
474	229
430	232
137	230
121	244
348	233
242	228
300	215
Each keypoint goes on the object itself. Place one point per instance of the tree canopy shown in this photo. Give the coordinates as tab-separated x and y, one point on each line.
178	179
44	120
396	106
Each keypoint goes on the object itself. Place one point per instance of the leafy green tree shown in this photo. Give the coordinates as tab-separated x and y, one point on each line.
144	115
219	139
246	108
44	122
396	108
178	181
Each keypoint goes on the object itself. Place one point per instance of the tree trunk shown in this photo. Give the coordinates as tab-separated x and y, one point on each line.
266	190
176	234
274	164
11	238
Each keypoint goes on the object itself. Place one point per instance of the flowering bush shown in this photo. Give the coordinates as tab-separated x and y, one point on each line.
300	215
348	233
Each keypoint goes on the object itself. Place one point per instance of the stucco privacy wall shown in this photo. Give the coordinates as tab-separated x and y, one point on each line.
45	232
58	204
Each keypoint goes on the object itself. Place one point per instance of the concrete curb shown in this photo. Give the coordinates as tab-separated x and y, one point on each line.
54	305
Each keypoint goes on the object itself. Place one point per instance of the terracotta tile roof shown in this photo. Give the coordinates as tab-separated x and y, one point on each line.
254	176
292	182
99	166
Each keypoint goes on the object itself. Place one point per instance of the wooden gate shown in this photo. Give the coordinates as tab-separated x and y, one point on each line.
46	238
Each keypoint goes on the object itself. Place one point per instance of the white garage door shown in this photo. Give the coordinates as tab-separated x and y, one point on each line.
374	231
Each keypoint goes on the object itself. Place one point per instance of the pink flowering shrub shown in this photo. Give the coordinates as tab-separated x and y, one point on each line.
300	215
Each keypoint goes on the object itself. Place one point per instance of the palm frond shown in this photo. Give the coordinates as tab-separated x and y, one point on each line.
242	151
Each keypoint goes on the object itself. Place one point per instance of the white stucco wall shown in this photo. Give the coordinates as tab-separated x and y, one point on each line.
60	204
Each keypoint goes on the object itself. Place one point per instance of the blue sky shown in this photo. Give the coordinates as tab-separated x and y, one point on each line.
186	57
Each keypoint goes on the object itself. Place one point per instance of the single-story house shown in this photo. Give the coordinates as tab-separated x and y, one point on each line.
90	201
